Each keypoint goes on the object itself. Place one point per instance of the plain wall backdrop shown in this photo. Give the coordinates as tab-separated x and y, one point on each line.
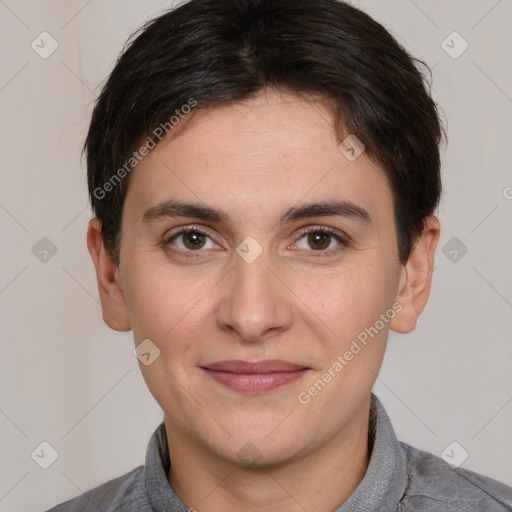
68	380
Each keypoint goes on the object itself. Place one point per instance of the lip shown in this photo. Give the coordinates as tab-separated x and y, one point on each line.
255	377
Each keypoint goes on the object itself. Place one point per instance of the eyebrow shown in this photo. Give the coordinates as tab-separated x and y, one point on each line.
173	208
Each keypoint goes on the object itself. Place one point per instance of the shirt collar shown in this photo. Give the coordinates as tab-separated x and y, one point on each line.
382	487
385	480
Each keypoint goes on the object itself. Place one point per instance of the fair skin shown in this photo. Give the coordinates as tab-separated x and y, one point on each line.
303	300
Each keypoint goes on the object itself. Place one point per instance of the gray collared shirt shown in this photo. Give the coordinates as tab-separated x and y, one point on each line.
399	478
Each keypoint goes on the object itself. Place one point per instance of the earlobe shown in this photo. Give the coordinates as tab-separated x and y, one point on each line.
416	278
113	304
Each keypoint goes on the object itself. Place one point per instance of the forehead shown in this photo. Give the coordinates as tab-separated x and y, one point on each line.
268	124
264	152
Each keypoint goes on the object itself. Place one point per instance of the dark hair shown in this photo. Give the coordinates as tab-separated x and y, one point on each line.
216	51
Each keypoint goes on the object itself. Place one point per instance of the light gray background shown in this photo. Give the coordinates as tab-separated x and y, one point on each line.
68	380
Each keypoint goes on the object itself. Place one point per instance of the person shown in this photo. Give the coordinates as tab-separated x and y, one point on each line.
264	176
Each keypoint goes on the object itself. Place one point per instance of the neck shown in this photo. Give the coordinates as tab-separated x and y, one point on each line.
317	482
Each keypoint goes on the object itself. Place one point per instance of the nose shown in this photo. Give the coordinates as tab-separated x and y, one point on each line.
255	302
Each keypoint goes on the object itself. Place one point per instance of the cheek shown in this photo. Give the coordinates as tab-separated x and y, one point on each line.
169	311
349	299
165	306
354	339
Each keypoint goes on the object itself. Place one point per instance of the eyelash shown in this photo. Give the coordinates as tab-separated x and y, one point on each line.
312	229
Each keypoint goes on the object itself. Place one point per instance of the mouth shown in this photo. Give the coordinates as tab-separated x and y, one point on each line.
255	377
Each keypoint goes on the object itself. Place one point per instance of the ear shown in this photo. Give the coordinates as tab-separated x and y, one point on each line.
113	305
415	278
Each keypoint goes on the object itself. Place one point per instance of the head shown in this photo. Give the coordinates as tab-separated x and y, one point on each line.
298	145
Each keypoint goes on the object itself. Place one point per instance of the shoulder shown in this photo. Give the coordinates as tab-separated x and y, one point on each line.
111	496
437	486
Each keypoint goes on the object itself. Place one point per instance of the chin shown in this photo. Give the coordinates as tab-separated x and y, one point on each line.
258	449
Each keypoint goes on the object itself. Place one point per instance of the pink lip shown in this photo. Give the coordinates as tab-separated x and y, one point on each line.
256	377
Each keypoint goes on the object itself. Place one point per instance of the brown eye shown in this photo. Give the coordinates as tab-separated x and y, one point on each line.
188	241
193	240
319	240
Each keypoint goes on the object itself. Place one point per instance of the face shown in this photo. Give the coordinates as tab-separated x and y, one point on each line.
254	304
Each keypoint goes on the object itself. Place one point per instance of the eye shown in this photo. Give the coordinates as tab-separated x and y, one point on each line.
320	239
189	240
